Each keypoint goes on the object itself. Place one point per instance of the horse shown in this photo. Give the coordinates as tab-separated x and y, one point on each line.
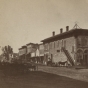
62	63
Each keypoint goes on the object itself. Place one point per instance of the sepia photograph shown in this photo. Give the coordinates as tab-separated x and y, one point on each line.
43	43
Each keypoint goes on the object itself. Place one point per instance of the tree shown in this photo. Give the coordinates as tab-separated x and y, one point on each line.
7	51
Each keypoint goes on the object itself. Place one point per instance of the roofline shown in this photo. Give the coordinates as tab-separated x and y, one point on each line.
57	35
24	47
41	44
72	30
20	48
31	43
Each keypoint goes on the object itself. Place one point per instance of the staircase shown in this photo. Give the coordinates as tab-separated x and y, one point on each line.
68	56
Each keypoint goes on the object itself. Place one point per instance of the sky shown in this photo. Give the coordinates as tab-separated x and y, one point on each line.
25	21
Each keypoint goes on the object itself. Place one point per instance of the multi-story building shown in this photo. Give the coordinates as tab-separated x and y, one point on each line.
31	50
41	53
70	46
37	54
22	53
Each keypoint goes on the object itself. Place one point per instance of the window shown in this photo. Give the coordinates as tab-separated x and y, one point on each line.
46	47
57	43
50	45
54	44
82	41
72	49
79	41
65	44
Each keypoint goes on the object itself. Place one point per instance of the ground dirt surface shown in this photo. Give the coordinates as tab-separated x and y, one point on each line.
45	77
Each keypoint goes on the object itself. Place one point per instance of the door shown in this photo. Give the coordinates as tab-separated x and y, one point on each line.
52	57
79	57
85	58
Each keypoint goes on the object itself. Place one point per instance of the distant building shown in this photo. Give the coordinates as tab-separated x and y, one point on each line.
71	46
31	51
15	55
41	53
22	53
36	52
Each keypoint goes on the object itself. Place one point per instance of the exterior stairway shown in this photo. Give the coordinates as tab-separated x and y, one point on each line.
68	56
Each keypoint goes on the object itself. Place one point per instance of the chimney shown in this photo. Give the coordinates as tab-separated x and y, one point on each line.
67	28
53	33
61	30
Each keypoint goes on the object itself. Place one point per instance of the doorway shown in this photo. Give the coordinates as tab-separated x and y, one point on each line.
79	57
85	58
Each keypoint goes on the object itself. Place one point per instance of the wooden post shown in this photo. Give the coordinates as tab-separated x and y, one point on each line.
37	63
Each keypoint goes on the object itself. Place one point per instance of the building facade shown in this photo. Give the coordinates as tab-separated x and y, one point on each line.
22	53
70	46
31	51
41	53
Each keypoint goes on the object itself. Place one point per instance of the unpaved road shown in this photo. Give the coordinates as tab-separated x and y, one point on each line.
79	74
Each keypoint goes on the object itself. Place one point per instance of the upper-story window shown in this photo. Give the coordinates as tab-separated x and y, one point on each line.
50	45
82	41
58	43
46	46
72	49
41	47
54	44
64	44
79	41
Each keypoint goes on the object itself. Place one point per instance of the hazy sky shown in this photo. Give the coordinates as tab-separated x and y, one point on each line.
25	21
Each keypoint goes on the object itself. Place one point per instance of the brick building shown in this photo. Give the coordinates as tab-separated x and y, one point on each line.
41	53
31	51
22	53
70	46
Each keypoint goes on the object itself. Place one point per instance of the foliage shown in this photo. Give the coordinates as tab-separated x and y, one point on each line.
7	50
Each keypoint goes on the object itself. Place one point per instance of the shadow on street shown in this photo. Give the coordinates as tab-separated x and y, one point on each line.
37	79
